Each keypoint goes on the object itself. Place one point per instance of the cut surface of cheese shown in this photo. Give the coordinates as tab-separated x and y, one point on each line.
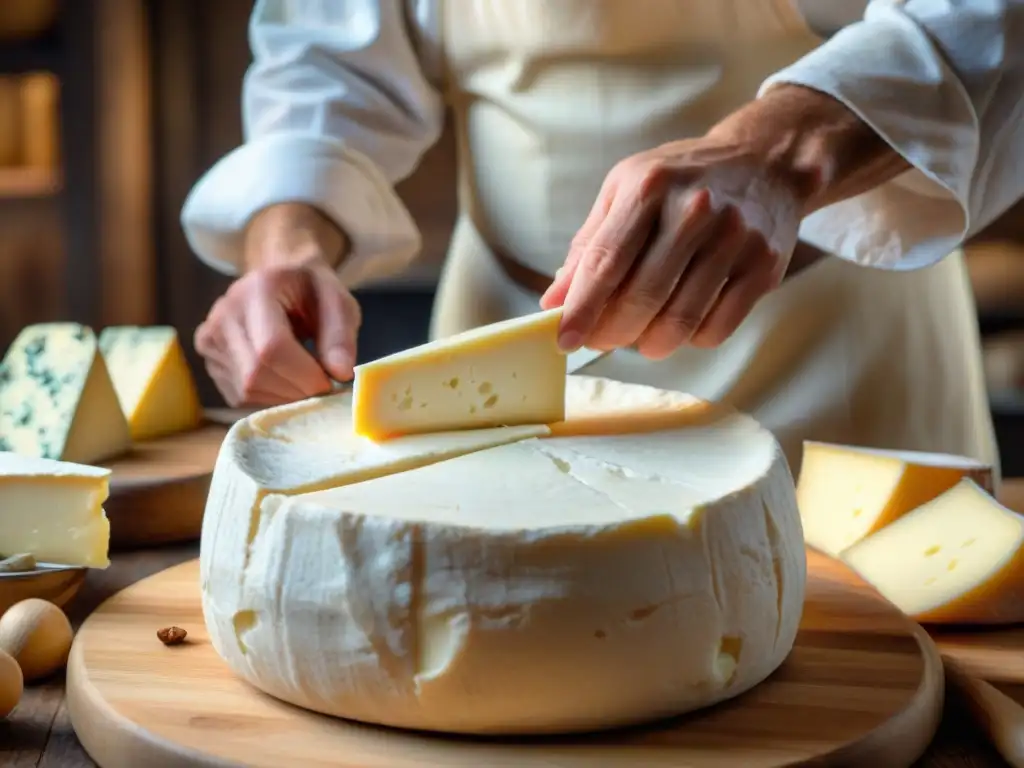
534	584
599	406
957	559
152	378
56	397
53	510
503	374
846	493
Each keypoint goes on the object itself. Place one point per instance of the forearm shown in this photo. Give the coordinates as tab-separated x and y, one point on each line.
291	233
815	143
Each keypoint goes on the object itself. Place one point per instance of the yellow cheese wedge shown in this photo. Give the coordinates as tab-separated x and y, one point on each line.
153	380
957	559
53	510
56	397
505	374
846	493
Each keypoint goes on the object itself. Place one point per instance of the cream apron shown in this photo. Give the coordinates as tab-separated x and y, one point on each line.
549	94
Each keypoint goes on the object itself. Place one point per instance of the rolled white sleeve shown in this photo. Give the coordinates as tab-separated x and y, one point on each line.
942	81
336	111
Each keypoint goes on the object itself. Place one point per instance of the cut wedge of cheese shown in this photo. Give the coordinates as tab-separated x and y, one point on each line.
504	374
846	493
959	559
531	584
56	397
153	380
53	510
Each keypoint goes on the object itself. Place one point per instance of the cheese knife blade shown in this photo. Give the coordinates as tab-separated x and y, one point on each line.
583	357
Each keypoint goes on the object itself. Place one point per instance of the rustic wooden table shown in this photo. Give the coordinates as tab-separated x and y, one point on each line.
39	733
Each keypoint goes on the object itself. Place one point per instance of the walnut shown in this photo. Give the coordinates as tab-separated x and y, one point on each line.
171	635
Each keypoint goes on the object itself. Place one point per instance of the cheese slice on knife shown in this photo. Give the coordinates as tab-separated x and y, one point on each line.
846	493
56	397
503	374
493	581
153	381
53	510
959	559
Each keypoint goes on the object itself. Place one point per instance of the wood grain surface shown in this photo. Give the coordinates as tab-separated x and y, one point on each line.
158	490
39	733
863	686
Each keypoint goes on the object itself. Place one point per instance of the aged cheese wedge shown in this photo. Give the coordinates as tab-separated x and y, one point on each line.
53	510
503	374
846	493
56	397
152	378
957	559
545	584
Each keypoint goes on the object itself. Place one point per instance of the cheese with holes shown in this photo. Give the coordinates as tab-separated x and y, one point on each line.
959	559
56	397
153	380
846	493
503	374
53	510
511	582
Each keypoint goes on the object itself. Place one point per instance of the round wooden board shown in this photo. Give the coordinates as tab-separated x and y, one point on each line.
158	490
863	686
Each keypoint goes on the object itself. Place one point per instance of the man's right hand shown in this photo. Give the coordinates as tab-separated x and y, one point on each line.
251	339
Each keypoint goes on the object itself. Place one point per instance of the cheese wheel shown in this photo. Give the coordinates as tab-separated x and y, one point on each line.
509	580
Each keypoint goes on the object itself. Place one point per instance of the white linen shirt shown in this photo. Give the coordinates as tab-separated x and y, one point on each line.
342	100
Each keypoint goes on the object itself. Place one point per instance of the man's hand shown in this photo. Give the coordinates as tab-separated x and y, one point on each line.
251	339
684	239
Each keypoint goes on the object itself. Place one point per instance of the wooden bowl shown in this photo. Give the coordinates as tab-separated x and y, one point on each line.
55	583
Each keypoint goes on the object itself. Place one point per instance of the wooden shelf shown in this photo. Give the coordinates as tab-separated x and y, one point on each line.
22	183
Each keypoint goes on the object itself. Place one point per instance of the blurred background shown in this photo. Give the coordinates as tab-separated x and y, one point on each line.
111	109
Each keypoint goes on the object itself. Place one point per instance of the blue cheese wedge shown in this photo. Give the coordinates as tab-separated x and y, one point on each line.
57	400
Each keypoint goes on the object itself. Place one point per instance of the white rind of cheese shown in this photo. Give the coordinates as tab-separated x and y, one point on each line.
846	493
300	448
543	585
56	397
53	510
959	559
503	374
152	378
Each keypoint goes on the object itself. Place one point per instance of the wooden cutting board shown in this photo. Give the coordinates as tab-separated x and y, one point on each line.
158	490
863	686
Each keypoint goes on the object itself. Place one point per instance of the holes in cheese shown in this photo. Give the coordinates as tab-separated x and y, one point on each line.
506	583
846	493
152	378
53	511
503	374
957	559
